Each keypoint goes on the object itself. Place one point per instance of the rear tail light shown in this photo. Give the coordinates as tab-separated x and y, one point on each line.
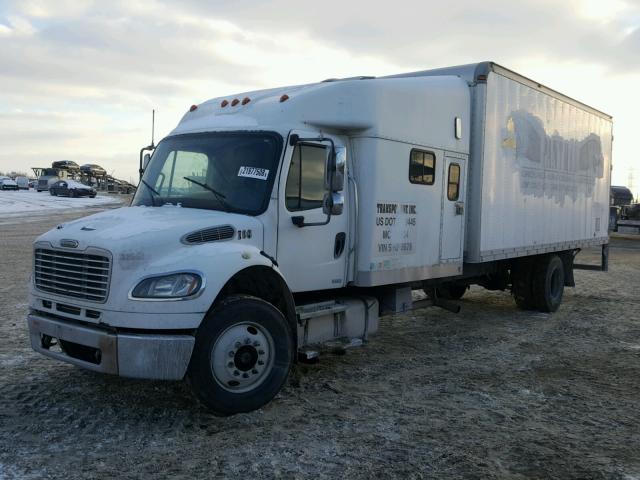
234	102
284	98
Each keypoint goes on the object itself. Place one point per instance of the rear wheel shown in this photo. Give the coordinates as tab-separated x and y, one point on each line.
522	284
51	192
243	353
548	283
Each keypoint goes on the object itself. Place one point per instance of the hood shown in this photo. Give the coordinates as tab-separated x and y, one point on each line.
145	228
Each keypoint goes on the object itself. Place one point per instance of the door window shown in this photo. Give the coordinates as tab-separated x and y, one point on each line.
453	183
305	182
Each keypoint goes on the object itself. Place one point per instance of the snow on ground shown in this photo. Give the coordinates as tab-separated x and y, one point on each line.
27	202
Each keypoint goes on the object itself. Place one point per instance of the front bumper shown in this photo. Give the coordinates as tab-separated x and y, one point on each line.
153	356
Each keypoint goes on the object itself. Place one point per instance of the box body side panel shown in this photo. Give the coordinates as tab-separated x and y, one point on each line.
543	171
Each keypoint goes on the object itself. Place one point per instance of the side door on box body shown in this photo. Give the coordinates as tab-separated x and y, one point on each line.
452	222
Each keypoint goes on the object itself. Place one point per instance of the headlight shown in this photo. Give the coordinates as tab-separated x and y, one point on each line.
176	285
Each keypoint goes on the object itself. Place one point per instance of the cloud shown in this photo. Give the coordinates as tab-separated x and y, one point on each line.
79	77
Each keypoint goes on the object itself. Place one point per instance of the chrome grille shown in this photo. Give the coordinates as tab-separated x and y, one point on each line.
212	234
71	274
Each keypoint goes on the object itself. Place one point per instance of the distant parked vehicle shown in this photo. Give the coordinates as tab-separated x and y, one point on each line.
23	182
7	184
66	165
630	212
614	216
48	176
621	196
71	188
93	169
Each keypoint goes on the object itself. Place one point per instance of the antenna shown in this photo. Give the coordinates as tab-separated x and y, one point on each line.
153	125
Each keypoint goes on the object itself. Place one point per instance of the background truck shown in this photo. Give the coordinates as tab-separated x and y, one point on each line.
272	222
48	176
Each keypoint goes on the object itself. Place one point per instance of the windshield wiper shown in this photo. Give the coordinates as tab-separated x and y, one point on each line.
153	191
219	196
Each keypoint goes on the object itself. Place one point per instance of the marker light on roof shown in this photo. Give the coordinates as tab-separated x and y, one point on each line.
193	108
284	98
224	103
234	102
245	100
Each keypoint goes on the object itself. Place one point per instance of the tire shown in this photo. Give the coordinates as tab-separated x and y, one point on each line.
73	194
243	352
522	285
548	283
52	193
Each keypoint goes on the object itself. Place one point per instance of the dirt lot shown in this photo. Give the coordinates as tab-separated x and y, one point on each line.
492	392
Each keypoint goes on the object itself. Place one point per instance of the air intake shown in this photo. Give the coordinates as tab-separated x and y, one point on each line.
212	234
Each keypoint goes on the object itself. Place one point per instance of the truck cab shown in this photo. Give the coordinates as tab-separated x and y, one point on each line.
250	204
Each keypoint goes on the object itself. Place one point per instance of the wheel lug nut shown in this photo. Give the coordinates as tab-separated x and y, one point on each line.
256	344
245	375
254	371
238	344
236	373
261	352
260	362
231	354
247	341
230	364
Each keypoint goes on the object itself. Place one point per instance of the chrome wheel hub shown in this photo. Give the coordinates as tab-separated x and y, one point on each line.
242	357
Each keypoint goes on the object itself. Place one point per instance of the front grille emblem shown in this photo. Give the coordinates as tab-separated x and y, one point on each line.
68	243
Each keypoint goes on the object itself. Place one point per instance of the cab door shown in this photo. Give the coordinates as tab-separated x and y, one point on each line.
310	257
453	209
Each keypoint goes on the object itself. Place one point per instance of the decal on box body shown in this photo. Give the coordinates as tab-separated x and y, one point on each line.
395	233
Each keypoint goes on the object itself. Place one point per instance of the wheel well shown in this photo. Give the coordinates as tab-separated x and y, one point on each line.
262	282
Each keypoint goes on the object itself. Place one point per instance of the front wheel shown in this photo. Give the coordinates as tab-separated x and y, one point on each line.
242	356
52	193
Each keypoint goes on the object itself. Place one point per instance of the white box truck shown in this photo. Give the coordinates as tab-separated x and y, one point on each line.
273	221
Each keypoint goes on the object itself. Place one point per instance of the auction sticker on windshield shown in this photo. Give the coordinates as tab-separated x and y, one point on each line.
253	172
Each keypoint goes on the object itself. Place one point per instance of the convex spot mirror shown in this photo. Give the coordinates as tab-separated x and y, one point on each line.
333	203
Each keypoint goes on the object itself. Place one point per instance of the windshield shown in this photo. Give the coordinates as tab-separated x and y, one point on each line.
226	171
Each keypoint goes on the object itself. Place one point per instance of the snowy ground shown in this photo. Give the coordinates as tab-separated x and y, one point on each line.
490	393
17	205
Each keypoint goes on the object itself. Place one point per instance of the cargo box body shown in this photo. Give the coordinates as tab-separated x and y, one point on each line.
539	167
540	171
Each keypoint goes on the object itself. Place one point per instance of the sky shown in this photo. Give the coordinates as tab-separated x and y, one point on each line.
79	78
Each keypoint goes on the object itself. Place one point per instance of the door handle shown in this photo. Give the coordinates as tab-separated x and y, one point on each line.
338	247
459	208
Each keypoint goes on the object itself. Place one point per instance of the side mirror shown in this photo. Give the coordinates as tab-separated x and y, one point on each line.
329	167
145	161
335	166
340	164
